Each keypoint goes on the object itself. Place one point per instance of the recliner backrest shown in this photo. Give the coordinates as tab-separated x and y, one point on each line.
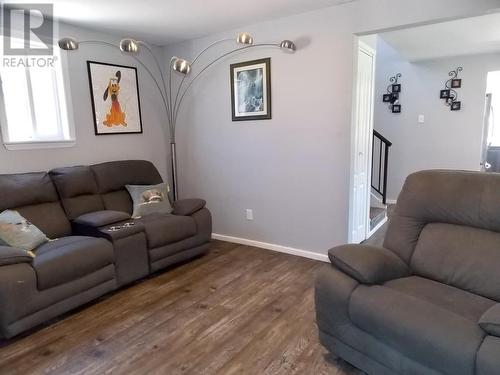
78	190
111	178
34	196
446	226
85	189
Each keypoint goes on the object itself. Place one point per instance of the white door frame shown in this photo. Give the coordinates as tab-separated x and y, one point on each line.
360	47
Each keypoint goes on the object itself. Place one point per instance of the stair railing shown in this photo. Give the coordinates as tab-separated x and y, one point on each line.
380	162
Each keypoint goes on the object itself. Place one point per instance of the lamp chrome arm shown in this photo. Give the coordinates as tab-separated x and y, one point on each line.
176	109
142	64
168	97
194	62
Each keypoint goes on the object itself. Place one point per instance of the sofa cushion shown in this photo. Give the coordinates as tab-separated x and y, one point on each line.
70	258
78	190
439	335
34	196
112	177
468	305
163	229
442	196
465	257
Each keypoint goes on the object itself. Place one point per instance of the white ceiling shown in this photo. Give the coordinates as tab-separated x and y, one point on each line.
454	38
163	22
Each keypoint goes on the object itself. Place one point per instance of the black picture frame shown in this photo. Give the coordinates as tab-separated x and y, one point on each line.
456	83
133	82
266	104
396	108
396	88
456	106
444	94
386	98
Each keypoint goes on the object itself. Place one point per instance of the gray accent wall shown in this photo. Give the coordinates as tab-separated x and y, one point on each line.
89	149
446	139
293	170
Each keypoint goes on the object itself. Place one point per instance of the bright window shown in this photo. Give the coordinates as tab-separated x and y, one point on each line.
33	106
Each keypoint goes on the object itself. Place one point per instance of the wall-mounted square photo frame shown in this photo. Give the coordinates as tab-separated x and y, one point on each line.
114	91
456	83
396	108
394	97
386	98
456	106
251	90
444	94
396	87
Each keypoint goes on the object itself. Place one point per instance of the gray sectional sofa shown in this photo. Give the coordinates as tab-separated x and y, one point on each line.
77	206
428	301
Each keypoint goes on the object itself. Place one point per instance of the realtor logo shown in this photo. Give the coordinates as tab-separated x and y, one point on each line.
28	29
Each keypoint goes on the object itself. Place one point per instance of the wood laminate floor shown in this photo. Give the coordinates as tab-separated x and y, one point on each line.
237	310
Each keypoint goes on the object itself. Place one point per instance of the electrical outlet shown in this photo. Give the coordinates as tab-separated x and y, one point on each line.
421	119
249	214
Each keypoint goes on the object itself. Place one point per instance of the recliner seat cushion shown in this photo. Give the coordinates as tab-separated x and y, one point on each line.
408	316
163	229
70	258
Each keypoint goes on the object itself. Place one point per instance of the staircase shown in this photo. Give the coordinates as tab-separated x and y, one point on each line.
380	162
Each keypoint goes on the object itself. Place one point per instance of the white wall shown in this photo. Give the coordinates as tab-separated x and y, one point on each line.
447	139
89	148
292	170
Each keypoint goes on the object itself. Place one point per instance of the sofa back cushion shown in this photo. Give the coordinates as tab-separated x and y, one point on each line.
77	188
446	226
111	178
34	196
464	257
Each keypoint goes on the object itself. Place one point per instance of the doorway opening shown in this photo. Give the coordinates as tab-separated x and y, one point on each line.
490	153
417	129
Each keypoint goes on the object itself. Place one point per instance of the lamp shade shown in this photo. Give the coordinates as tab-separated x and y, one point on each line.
288	45
244	38
68	44
182	66
129	45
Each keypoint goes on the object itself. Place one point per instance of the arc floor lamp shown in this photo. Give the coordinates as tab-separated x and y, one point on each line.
173	97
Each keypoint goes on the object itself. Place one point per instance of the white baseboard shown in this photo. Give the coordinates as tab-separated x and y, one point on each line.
391	201
270	246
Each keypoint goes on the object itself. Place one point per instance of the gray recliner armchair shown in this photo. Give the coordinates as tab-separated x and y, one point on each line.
428	302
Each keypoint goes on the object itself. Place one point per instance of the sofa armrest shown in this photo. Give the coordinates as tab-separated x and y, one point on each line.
101	218
187	207
368	264
12	255
490	320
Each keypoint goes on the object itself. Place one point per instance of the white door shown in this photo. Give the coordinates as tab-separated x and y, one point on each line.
361	145
487	130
